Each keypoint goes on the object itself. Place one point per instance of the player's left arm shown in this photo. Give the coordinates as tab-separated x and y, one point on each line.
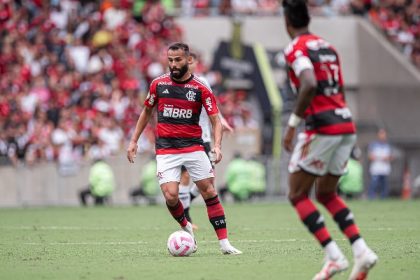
218	132
210	105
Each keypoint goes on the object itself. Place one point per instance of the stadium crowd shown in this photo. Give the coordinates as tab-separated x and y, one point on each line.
399	20
73	75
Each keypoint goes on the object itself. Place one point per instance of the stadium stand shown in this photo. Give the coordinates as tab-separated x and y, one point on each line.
73	76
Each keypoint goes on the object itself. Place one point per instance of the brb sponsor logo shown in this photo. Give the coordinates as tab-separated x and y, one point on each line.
172	112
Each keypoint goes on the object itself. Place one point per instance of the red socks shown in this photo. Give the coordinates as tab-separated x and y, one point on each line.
311	217
217	216
341	214
177	212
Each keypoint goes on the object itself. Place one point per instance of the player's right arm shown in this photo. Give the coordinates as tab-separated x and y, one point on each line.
141	124
144	118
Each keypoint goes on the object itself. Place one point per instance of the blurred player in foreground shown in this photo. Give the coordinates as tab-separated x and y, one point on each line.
179	97
322	151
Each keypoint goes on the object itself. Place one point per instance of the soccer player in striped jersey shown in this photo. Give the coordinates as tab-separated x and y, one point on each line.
179	98
321	152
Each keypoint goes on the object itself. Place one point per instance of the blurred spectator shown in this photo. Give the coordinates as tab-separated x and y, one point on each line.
62	139
112	135
351	183
236	109
149	185
416	187
237	177
101	183
258	183
244	120
244	7
380	157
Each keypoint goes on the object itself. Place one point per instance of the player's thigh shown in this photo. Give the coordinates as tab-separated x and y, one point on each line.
198	166
338	162
313	152
300	183
169	168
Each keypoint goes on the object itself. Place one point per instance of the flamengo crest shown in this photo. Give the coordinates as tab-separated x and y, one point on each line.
191	95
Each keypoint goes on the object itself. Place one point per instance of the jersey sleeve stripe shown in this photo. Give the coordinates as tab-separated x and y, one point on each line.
160	77
302	63
203	84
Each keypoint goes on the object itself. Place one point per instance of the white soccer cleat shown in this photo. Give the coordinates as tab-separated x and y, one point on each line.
189	228
332	267
227	248
230	251
363	264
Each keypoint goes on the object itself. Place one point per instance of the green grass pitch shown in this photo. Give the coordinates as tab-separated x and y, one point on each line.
121	243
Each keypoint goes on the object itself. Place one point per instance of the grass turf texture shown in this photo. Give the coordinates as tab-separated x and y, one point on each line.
130	243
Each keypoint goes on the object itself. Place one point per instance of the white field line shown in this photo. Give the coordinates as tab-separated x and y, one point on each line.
60	228
145	242
88	243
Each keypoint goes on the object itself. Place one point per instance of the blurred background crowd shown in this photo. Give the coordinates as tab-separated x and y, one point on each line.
73	74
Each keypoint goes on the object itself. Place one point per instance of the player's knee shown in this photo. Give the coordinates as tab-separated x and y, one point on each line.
296	196
171	197
292	197
206	188
208	191
171	200
324	197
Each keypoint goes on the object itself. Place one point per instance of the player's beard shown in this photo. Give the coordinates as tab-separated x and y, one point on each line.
181	72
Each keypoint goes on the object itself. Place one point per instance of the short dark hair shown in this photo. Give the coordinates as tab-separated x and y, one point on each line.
180	46
297	13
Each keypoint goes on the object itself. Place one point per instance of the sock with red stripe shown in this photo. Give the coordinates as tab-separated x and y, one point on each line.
312	219
341	214
217	216
178	213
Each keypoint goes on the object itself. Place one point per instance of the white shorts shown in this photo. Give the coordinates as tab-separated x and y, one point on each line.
321	154
197	164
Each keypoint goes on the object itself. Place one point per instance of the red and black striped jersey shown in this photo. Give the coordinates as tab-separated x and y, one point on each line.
328	112
179	105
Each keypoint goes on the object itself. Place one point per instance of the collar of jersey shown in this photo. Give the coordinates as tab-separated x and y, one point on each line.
182	82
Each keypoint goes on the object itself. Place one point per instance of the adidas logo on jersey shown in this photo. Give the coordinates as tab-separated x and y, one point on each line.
166	91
